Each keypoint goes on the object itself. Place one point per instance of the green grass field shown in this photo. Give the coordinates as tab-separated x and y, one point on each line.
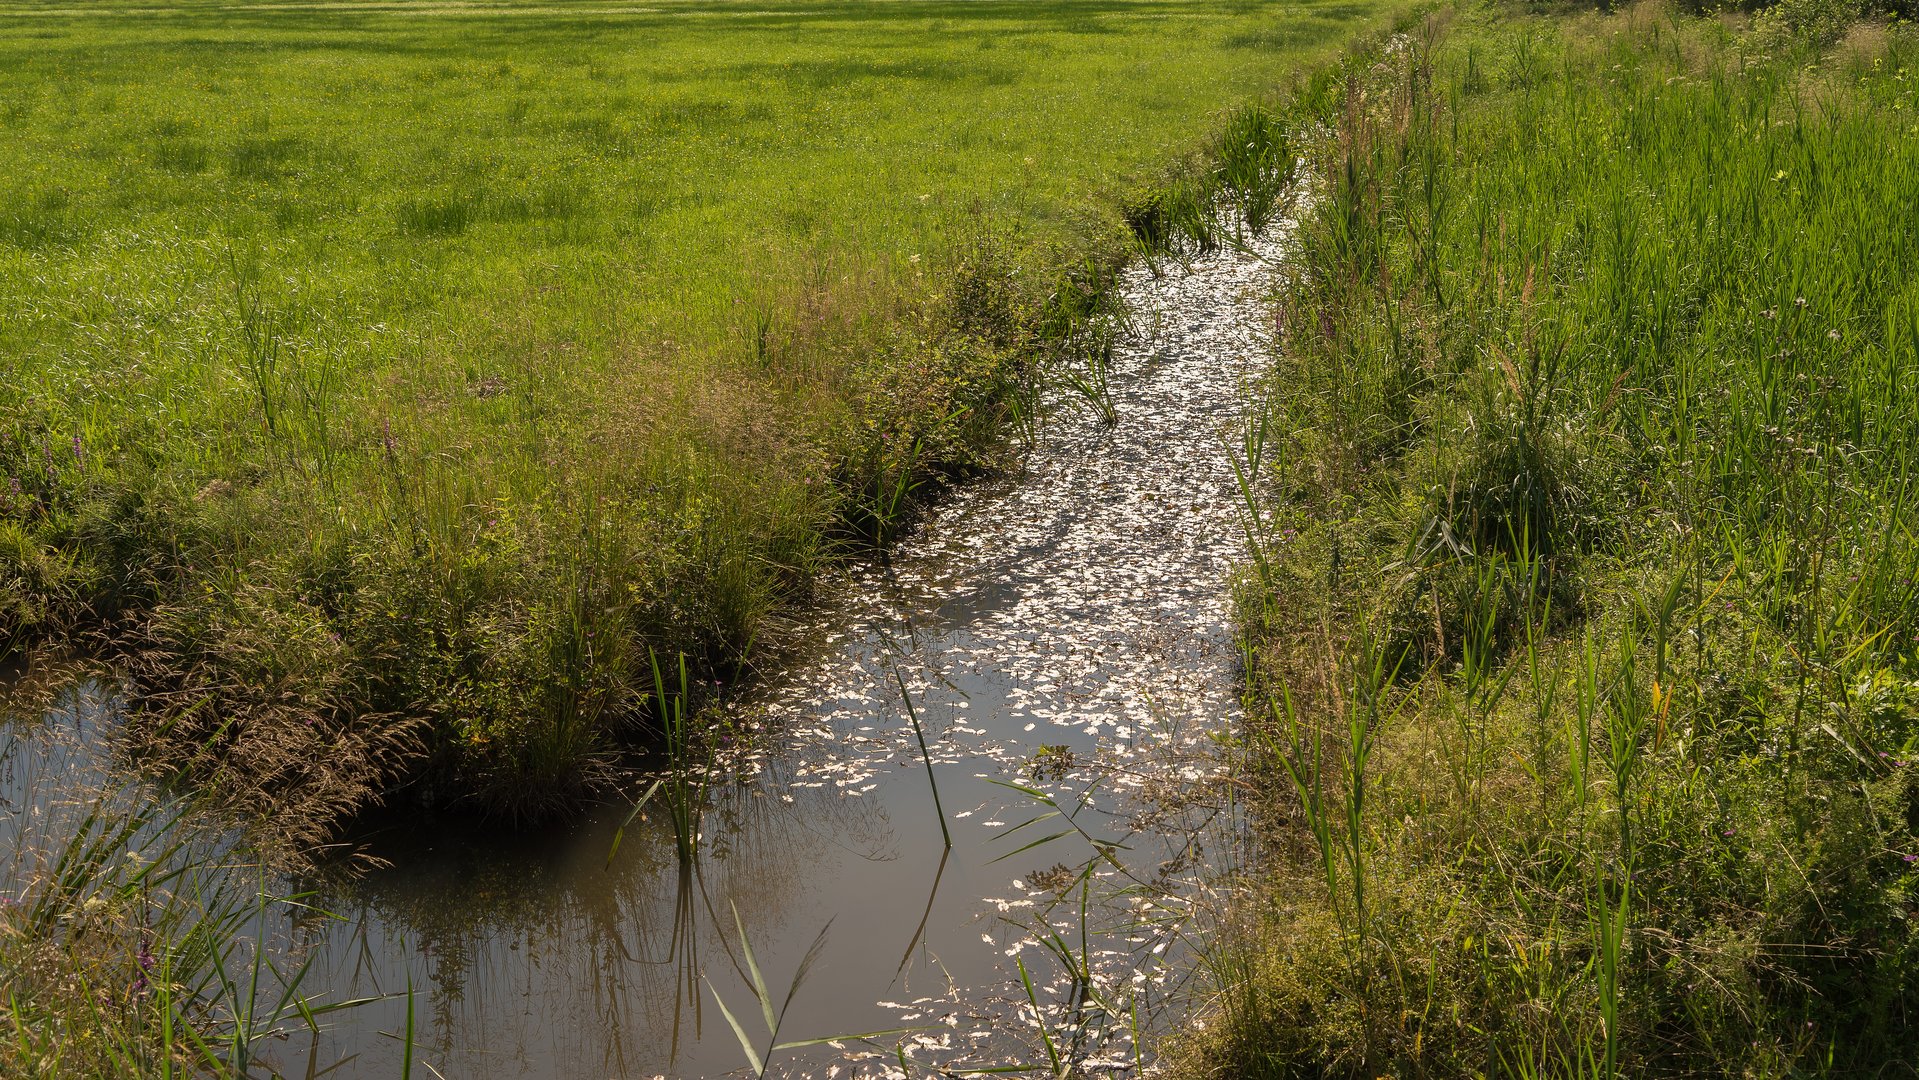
384	383
386	380
1582	605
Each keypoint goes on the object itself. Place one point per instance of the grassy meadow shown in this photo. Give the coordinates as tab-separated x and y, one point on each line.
387	382
1582	608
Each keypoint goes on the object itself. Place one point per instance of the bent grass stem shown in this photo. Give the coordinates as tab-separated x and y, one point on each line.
931	781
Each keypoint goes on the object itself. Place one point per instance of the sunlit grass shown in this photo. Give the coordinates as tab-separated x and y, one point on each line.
1582	586
436	362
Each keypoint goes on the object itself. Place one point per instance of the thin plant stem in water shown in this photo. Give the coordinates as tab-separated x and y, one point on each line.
775	1017
919	932
925	756
685	781
406	1051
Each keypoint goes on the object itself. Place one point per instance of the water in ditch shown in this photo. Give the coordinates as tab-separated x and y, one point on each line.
1062	635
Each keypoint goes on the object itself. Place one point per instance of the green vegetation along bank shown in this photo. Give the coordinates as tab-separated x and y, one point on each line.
387	384
1582	612
135	938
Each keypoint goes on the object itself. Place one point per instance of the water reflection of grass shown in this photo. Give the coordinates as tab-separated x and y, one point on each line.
624	941
147	927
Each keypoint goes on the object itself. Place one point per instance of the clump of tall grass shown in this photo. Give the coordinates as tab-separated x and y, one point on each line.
136	940
1241	180
1581	610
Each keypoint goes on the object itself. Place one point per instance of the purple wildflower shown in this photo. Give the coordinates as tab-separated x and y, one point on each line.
145	959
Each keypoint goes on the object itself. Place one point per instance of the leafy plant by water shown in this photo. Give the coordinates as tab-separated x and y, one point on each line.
690	754
137	942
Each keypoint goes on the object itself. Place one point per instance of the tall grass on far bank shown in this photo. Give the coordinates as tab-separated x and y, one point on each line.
394	387
1584	606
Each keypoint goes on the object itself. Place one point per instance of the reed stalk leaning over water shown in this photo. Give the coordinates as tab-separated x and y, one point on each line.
932	781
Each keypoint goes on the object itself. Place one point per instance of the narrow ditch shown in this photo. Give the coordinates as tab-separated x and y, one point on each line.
1063	637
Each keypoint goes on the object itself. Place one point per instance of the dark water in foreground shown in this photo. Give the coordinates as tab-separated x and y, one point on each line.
1080	607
